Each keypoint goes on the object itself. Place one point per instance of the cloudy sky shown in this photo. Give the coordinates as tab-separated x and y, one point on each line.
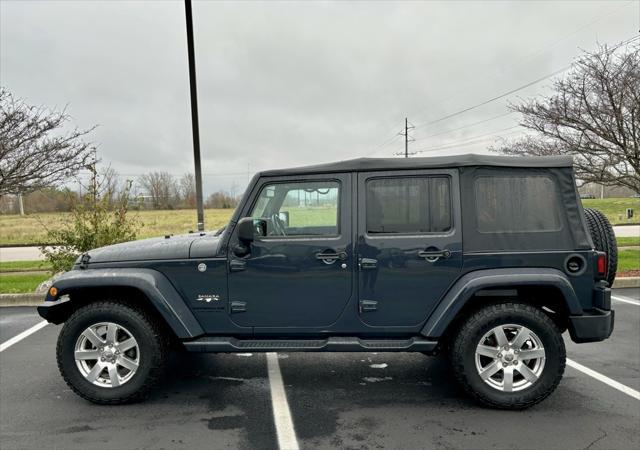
293	83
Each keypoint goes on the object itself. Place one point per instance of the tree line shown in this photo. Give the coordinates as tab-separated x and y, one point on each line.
153	190
161	190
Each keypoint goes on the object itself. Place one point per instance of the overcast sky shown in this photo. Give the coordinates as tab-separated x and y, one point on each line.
292	83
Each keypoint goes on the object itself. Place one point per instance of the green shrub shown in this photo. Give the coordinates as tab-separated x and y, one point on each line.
100	217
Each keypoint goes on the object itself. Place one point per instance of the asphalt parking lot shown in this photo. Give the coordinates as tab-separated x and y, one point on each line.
346	400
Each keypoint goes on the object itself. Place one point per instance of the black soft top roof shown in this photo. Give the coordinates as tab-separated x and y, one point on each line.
372	164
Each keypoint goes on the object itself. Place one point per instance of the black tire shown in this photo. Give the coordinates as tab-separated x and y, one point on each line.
151	343
604	240
463	354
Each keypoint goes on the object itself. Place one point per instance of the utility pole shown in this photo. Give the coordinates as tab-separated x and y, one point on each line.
194	114
407	139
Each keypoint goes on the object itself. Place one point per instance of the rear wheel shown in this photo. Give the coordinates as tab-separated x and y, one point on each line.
604	240
509	355
110	353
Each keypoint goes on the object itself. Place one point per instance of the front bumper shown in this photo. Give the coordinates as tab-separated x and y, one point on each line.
593	326
55	311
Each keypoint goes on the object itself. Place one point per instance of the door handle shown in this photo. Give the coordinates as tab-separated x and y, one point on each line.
237	265
368	306
331	257
368	263
238	307
434	255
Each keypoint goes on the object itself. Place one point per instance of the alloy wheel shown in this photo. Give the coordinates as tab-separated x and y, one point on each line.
510	358
107	354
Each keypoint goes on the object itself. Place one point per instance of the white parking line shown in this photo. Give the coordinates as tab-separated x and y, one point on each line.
625	300
605	379
281	413
14	340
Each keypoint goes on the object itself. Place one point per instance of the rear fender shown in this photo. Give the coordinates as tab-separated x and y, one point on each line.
153	284
462	291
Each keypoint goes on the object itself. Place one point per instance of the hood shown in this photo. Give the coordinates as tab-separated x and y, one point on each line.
202	245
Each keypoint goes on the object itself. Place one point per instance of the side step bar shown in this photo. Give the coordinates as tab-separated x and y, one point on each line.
332	344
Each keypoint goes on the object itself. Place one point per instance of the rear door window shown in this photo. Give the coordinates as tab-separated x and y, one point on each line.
408	205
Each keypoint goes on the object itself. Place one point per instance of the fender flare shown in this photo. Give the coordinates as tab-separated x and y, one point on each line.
158	289
466	286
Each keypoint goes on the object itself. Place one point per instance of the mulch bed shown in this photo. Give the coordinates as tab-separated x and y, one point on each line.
628	273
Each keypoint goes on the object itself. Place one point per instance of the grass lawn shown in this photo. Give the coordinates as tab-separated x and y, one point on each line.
31	229
23	266
628	241
628	260
615	208
21	283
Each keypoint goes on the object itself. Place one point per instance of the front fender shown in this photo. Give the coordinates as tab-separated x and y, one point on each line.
462	291
157	288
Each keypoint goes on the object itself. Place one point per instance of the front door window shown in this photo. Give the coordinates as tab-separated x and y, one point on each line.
299	209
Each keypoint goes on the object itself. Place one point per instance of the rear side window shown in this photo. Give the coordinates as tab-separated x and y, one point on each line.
410	205
516	204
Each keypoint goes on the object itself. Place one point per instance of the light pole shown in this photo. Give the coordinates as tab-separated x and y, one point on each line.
194	114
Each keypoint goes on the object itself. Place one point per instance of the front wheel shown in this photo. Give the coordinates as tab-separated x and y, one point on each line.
509	355
110	353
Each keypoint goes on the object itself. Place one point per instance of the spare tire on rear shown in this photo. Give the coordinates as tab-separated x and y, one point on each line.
604	240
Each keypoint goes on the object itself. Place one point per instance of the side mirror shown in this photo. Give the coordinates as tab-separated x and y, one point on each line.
249	228
284	218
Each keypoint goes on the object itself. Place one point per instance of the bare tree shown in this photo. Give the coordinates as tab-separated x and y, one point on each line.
221	200
34	152
161	188
110	183
594	115
188	189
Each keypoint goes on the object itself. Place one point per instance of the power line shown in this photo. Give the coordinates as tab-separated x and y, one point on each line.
512	91
527	58
471	139
465	126
552	44
465	144
474	142
497	97
596	19
388	141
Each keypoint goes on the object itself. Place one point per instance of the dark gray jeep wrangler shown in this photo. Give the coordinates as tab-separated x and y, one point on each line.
486	259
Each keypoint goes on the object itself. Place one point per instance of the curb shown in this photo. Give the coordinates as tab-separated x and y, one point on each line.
626	282
21	299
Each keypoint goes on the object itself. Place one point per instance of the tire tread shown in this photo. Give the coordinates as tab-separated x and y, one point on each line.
484	315
156	371
604	240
